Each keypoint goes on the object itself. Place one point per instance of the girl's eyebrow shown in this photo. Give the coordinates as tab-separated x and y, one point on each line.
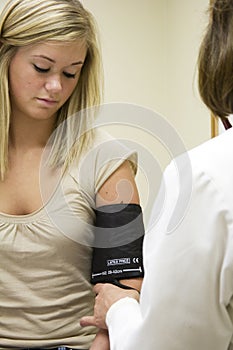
53	61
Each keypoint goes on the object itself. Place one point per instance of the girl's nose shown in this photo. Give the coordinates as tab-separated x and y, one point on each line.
53	84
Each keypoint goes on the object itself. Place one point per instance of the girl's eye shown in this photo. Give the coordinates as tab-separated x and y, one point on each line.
46	70
69	75
41	70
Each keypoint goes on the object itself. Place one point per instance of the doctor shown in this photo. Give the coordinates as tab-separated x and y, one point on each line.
186	301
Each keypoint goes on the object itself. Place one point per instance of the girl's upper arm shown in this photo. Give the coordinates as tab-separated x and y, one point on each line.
120	187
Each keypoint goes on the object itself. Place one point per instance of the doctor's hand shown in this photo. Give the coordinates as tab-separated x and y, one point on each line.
106	295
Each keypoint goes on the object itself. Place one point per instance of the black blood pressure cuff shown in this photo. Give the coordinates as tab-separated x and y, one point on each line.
118	239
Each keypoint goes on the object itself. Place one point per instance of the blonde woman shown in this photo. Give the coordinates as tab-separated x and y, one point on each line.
50	70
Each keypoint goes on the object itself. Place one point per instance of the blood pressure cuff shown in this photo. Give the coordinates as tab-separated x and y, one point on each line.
118	239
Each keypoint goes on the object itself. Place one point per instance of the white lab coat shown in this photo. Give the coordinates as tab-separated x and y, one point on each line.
186	300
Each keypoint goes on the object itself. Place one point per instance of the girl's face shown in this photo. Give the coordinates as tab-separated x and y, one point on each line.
43	76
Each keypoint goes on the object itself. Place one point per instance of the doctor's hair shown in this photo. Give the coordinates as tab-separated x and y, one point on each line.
215	61
28	22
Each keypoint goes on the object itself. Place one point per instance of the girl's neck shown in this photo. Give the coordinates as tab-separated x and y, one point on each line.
27	133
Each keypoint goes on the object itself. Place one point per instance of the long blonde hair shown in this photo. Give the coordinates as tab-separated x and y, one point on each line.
26	22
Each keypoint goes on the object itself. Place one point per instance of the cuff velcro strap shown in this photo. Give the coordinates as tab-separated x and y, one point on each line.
117	252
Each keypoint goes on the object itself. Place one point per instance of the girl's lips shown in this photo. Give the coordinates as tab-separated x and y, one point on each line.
47	101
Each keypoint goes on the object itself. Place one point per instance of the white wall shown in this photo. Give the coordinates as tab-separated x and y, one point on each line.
150	50
132	33
185	26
